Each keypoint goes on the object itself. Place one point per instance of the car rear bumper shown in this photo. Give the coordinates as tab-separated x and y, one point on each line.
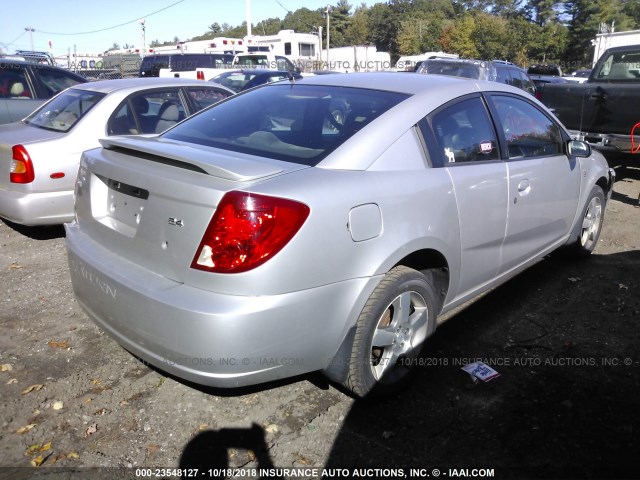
211	338
49	208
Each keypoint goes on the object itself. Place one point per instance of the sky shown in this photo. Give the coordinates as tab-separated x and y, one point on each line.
67	23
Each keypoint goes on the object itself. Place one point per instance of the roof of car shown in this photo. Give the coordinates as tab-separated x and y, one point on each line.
109	86
264	71
391	81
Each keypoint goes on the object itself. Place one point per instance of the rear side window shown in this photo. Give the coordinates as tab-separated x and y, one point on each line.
465	133
64	111
14	83
290	122
149	112
203	97
503	76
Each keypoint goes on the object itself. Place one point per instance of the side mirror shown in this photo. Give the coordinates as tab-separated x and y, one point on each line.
576	148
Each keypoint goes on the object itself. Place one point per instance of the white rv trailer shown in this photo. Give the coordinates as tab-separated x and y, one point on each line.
360	58
613	39
303	49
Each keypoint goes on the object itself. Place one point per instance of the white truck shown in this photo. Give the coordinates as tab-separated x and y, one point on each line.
266	60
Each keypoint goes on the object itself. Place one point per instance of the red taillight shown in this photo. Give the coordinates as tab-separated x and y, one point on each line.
247	230
21	166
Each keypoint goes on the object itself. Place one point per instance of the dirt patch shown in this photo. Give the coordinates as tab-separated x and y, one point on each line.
563	336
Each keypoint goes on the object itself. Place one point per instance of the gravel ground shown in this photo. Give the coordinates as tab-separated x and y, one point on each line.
564	337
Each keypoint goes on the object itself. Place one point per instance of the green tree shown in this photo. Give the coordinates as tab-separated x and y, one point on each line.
358	32
215	29
303	20
383	28
461	37
490	35
586	16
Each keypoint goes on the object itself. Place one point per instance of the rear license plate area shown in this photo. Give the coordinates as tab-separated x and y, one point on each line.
117	205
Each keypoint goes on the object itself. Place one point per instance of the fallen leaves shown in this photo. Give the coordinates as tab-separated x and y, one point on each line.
38	449
64	345
6	367
26	428
61	456
32	388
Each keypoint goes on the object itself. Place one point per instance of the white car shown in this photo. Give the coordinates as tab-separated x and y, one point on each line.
39	155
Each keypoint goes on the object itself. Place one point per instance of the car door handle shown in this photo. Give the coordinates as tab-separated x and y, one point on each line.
598	95
524	187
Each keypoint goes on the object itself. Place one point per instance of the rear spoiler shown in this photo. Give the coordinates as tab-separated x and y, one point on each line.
208	160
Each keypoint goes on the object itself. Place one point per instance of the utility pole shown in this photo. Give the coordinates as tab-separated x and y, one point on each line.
144	39
327	12
249	18
30	30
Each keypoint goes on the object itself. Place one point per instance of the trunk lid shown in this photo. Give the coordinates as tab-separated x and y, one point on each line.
150	201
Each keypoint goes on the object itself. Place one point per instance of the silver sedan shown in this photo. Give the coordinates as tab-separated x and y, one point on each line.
39	155
324	224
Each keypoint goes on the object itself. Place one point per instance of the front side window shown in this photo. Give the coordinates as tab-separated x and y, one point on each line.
465	133
64	111
528	131
295	123
55	81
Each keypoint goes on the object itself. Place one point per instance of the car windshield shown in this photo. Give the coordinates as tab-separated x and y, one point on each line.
61	113
291	122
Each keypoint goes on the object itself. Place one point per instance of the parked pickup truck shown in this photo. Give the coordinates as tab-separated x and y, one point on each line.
604	111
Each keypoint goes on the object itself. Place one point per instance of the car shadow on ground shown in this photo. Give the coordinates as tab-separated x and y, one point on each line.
37	233
209	451
563	337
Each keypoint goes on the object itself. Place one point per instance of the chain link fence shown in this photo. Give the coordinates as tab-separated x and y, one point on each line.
109	67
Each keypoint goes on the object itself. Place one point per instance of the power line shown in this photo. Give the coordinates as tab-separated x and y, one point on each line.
110	28
288	11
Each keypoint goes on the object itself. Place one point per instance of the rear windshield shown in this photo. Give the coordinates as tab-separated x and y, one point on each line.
544	70
61	113
291	122
454	69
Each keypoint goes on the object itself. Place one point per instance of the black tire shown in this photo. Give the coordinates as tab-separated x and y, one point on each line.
390	332
589	227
